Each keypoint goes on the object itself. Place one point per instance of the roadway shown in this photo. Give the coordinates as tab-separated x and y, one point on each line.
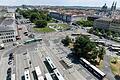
36	53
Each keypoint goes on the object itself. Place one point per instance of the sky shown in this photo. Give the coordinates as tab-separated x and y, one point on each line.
93	3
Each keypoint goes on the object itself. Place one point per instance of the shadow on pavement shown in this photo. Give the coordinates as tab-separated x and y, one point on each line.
73	58
34	75
48	67
23	77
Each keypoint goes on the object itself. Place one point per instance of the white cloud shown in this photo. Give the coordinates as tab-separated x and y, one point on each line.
60	2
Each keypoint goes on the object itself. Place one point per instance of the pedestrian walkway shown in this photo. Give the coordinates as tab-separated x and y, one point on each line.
106	68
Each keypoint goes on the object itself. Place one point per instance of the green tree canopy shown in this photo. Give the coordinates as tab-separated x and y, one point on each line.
101	53
66	41
34	17
85	23
40	23
83	47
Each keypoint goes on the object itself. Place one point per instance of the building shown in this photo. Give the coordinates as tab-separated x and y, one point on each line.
113	7
107	24
67	17
104	8
93	17
8	30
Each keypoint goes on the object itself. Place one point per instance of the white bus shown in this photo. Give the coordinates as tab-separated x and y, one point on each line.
13	77
41	78
113	45
27	74
92	68
38	39
48	76
58	75
38	72
52	65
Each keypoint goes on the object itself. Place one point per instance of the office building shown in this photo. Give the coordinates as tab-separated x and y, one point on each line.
8	30
67	17
107	24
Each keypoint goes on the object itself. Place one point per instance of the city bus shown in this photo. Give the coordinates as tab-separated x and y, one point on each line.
27	74
32	40
38	71
50	62
13	77
48	76
92	68
41	78
29	41
58	75
101	42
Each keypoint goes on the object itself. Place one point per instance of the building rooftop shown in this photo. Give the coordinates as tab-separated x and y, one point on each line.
105	19
6	28
7	21
7	24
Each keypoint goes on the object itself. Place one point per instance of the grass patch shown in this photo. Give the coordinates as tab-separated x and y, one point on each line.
115	67
59	25
46	29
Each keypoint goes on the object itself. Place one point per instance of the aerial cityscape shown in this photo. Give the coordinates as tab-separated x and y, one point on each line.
60	40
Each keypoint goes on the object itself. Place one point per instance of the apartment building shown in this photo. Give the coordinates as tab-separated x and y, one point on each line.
107	24
8	30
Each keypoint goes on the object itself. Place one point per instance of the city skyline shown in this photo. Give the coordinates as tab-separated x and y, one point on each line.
91	3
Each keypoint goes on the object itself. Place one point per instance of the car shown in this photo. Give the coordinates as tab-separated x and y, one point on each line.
25	53
25	32
10	62
31	36
9	71
11	54
11	57
8	77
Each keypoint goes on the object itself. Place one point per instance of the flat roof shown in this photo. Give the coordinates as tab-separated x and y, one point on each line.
8	24
7	21
105	19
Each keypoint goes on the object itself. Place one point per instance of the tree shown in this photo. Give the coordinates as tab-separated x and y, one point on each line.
101	53
18	9
40	23
91	30
97	32
66	41
85	23
116	35
34	17
109	33
83	47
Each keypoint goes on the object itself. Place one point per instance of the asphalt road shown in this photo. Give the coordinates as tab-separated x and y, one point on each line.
36	53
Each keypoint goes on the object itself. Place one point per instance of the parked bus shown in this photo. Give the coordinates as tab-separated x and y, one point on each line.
38	39
101	42
27	74
113	45
13	77
58	75
50	62
92	68
41	78
38	71
114	48
32	40
48	76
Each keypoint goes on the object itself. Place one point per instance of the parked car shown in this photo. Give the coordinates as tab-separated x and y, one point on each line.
10	62
9	71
